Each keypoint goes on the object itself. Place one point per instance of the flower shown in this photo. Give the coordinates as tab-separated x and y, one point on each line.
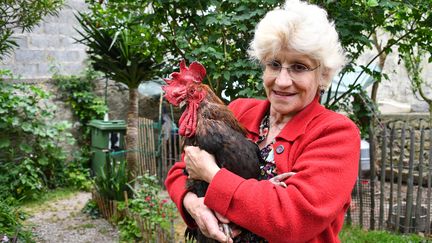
148	198
163	202
5	239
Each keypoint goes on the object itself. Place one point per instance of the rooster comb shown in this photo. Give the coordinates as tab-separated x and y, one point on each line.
194	73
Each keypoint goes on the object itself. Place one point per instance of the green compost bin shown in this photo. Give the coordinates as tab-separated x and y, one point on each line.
106	136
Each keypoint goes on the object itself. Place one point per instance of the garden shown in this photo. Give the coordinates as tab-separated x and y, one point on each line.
112	171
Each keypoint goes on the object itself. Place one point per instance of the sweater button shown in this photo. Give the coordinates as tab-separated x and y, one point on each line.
280	149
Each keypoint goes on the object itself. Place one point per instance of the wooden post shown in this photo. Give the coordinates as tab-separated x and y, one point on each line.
420	182
391	143
360	195
399	181
382	177
409	195
372	150
429	183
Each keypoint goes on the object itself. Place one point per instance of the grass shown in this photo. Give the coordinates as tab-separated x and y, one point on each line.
37	204
352	234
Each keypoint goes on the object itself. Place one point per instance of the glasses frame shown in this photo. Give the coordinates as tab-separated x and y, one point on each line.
289	69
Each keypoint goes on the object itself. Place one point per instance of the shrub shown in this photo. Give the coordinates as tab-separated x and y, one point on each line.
31	153
11	229
150	216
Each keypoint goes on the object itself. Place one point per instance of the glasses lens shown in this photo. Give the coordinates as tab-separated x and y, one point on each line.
296	71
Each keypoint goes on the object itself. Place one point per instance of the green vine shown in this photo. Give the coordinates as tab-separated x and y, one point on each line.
78	92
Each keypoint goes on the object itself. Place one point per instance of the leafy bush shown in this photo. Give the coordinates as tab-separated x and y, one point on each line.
91	209
77	172
111	181
31	153
11	229
78	91
152	212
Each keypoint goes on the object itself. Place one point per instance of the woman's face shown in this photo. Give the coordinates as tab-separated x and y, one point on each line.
290	90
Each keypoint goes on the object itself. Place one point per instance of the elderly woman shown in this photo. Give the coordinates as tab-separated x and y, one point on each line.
300	52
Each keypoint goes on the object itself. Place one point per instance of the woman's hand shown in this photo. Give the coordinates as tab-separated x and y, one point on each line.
200	165
279	179
204	217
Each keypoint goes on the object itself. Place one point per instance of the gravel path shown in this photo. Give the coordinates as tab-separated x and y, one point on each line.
61	221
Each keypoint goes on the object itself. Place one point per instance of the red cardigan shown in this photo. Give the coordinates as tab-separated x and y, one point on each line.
320	145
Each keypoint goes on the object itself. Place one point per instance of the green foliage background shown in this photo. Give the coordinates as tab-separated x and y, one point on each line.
31	155
217	34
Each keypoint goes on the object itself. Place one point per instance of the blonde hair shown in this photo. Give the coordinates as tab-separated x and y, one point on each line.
304	28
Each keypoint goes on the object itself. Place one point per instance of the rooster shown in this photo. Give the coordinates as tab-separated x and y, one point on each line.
209	124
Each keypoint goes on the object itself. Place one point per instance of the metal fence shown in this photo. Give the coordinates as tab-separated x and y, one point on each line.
395	194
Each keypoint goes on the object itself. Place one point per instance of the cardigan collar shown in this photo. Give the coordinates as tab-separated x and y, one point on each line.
294	128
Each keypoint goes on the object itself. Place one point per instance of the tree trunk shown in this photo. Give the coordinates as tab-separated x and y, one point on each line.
430	114
381	63
132	133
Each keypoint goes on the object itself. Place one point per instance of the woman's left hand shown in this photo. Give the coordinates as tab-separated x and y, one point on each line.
200	165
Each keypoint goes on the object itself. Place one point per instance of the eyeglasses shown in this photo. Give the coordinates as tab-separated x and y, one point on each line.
297	71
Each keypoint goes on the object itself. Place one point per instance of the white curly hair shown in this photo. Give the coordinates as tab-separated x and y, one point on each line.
304	28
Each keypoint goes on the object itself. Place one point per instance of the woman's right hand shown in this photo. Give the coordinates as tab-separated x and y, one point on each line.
204	217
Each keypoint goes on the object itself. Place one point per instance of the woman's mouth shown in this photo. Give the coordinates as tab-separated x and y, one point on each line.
280	93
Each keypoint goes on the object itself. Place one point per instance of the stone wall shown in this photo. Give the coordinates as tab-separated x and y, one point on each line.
413	122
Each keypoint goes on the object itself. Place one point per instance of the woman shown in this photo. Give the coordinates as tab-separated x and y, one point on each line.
300	52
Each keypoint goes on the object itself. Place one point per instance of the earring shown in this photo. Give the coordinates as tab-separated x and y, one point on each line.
322	89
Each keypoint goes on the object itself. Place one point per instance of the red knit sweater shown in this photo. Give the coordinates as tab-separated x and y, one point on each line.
320	145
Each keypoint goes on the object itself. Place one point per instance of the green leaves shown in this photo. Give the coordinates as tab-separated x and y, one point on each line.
4	142
22	15
30	154
120	40
111	182
361	24
11	223
156	212
216	33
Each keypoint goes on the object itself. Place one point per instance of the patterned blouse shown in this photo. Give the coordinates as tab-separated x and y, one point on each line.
268	168
268	171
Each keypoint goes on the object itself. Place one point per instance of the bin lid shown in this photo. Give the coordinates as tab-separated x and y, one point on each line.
108	125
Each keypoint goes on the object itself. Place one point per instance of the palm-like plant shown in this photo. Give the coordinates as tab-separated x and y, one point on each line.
121	45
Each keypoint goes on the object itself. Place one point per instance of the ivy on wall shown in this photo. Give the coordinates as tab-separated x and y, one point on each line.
78	92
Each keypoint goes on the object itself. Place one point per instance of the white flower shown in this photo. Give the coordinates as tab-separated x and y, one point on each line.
5	239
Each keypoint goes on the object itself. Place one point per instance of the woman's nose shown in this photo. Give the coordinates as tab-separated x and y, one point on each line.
284	78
